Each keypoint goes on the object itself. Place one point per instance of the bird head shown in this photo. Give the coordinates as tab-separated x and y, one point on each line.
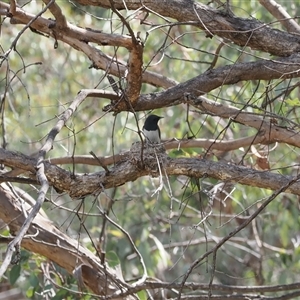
152	120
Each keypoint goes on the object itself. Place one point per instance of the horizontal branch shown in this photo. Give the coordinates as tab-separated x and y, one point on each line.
269	132
242	32
211	144
192	286
128	169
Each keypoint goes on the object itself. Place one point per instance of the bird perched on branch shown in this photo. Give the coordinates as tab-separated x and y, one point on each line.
151	130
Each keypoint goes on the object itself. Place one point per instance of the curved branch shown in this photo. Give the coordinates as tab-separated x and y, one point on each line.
128	170
44	238
287	67
242	32
79	38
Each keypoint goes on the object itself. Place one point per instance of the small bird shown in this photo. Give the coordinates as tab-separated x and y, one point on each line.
151	130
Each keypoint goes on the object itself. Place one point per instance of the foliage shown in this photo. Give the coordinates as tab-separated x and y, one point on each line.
180	223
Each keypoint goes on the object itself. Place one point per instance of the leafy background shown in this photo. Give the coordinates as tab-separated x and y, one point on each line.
41	81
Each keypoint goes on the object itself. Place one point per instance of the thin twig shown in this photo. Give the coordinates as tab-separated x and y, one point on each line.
42	179
144	277
237	230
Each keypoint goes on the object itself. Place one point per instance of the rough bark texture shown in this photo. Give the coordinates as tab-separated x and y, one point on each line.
250	34
44	238
243	32
130	168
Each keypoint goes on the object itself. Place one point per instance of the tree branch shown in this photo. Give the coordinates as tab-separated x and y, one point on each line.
128	170
242	32
44	238
281	15
56	11
79	38
287	67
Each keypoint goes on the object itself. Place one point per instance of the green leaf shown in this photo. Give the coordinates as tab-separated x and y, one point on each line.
34	281
292	102
112	259
176	153
14	273
286	259
30	292
142	295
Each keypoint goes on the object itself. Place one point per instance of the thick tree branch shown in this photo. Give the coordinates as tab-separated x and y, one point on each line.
135	64
288	67
210	144
243	32
134	77
44	238
47	26
79	38
128	170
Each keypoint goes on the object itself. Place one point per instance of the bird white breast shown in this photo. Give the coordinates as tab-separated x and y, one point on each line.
152	136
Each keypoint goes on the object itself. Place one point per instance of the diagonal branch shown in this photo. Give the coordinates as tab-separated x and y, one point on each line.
56	11
39	167
213	251
281	15
44	238
242	32
287	67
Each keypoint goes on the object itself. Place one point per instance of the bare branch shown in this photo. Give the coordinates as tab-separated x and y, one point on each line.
42	179
211	144
213	251
281	15
288	67
243	32
44	238
61	21
134	77
135	64
78	38
127	170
